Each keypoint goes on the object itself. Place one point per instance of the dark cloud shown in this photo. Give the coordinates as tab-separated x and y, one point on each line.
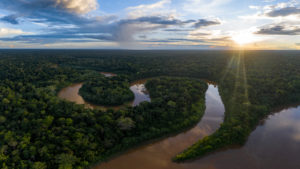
70	6
204	22
10	19
160	20
143	36
200	34
51	12
280	29
177	30
43	11
297	44
284	12
124	30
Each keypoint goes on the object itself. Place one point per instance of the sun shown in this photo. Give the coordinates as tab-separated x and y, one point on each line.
244	38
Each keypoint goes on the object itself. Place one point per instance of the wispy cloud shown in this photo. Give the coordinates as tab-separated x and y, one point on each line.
211	37
161	8
177	30
9	32
204	7
204	23
173	40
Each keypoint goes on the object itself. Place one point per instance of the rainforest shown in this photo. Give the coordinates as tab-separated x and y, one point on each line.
248	90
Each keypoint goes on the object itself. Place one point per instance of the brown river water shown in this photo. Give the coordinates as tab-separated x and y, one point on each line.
70	93
274	144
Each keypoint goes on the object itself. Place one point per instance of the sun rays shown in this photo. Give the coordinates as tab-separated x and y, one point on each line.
236	68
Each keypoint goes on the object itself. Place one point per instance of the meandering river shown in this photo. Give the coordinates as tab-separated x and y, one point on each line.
275	143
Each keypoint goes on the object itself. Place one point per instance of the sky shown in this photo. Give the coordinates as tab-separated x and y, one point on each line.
150	24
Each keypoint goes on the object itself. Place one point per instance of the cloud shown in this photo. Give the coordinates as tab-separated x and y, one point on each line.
211	37
200	34
254	7
51	38
10	19
65	21
289	11
72	6
77	6
284	12
7	32
161	7
119	31
56	15
180	46
173	40
51	11
126	29
297	44
280	29
177	30
156	20
204	22
159	4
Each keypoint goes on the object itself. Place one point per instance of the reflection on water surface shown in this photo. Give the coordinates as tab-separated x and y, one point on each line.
275	144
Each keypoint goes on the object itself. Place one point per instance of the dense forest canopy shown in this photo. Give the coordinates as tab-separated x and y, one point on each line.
39	130
107	91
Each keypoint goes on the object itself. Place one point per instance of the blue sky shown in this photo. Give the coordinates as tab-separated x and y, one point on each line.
150	24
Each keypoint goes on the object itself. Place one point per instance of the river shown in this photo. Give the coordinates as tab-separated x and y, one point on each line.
275	143
158	154
71	93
